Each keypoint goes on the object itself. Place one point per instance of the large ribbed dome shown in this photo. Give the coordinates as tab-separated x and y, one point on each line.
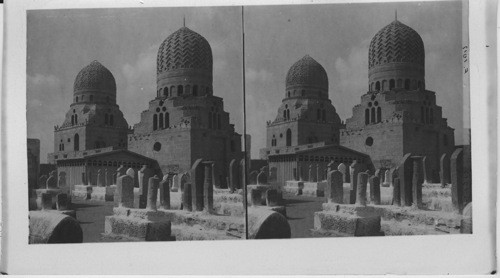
95	77
396	43
307	72
184	49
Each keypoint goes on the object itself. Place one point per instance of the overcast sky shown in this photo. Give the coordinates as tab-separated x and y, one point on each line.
62	42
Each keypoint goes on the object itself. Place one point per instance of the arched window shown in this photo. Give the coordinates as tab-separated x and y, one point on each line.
288	114
195	90
284	114
165	91
76	99
155	122
167	120
172	91
180	90
106	118
379	114
324	115
76	119
407	84
188	89
377	86
422	115
367	116
373	115
384	85
392	84
209	119
400	83
111	122
76	142
72	119
91	98
160	117
288	137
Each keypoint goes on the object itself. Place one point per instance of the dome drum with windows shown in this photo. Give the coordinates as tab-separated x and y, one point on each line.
94	84
307	78
184	65
396	59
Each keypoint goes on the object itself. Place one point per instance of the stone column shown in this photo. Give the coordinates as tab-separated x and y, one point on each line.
165	193
457	180
186	198
335	187
427	174
152	193
208	188
233	175
215	181
417	182
444	169
375	190
361	190
354	170
197	181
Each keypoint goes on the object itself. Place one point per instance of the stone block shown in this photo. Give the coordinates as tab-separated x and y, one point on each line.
164	193
267	224
137	228
125	191
361	190
272	198
345	224
152	193
335	188
53	227
62	201
375	190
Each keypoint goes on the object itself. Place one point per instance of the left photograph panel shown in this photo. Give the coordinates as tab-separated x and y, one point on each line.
134	119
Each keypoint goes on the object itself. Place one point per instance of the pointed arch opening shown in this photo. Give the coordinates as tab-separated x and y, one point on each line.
367	116
155	122
288	137
76	142
379	114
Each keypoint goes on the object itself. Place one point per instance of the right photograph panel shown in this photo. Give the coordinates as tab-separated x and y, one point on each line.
357	120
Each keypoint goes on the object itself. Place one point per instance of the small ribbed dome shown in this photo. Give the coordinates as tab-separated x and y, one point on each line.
95	77
396	43
184	49
307	72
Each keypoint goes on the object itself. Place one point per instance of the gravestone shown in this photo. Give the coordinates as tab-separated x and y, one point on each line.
186	197
242	173
100	178
396	192
197	180
164	193
90	178
208	188
62	201
272	197
345	173
405	175
300	172
42	181
121	171
444	169
310	173
52	180
233	175
108	177
318	173
331	167
334	187
84	178
130	172
143	176
417	181
215	180
252	178
153	184
262	178
273	175
354	170
183	178
46	201
375	190
387	178
62	179
125	191
426	170
255	197
457	180
361	190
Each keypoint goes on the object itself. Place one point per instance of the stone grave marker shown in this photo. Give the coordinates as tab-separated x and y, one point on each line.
457	180
335	187
62	201
272	197
233	175
417	181
262	178
197	179
405	176
444	169
153	184
52	180
125	191
208	188
345	173
164	193
354	170
186	197
375	190
46	201
361	190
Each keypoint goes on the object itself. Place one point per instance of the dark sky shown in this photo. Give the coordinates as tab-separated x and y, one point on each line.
61	42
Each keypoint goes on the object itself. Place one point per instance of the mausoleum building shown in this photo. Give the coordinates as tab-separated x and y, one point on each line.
398	115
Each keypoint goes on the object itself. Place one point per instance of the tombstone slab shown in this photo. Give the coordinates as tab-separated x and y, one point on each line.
375	190
125	191
164	193
186	197
208	188
335	187
444	169
361	190
354	170
405	176
457	180
197	180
